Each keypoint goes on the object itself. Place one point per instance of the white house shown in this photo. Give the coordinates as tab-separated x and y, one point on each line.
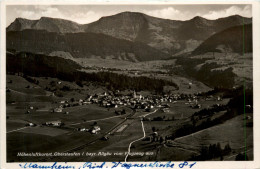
53	123
95	129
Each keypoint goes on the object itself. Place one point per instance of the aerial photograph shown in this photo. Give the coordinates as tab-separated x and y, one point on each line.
129	82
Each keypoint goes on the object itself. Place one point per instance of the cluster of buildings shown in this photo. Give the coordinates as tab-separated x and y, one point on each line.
94	130
134	100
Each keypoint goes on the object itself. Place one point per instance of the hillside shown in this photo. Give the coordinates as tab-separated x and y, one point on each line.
45	23
81	45
170	36
38	65
228	40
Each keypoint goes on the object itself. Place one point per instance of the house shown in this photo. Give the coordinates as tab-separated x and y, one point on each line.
57	110
105	138
219	98
196	106
31	124
80	101
166	110
83	129
95	129
248	117
53	123
86	102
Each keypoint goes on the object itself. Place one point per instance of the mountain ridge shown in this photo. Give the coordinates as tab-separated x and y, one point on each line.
81	45
169	36
233	41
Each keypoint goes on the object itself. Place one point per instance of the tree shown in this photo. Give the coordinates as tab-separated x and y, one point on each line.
221	157
72	99
52	83
218	149
227	148
161	140
204	153
241	157
79	83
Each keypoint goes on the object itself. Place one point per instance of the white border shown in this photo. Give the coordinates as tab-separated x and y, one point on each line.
200	165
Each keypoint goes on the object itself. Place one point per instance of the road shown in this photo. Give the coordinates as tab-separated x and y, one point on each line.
148	113
22	93
16	130
93	141
93	120
129	147
242	152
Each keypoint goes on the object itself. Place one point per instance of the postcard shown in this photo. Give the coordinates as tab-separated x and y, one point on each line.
129	84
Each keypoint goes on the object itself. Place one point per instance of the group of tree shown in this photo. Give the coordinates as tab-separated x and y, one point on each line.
37	65
190	128
162	118
212	151
207	73
207	112
120	112
31	80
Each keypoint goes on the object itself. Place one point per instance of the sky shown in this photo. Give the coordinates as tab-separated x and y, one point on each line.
84	14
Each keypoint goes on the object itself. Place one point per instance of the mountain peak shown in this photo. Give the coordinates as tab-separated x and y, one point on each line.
20	24
126	14
199	19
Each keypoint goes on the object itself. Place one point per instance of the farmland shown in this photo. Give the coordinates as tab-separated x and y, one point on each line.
48	115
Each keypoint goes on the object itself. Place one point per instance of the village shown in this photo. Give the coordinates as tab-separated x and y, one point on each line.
120	101
106	117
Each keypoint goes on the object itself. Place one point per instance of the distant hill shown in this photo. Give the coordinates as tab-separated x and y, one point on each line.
228	40
169	36
38	65
46	23
81	45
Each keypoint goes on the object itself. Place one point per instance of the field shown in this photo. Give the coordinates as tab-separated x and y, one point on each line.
118	133
154	69
223	134
242	64
22	138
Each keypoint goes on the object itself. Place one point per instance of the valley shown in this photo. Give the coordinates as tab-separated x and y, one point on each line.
150	89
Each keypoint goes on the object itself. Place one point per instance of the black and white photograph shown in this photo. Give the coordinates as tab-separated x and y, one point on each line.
129	82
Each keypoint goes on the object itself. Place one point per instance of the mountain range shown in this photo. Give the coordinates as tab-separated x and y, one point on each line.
235	39
127	36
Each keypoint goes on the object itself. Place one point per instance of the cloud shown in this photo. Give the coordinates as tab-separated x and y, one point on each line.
85	17
87	13
233	10
168	13
38	12
79	16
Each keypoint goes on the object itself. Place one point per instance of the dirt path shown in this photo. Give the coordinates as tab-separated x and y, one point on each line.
16	130
129	148
93	120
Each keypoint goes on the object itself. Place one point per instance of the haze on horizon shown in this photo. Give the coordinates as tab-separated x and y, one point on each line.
84	14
